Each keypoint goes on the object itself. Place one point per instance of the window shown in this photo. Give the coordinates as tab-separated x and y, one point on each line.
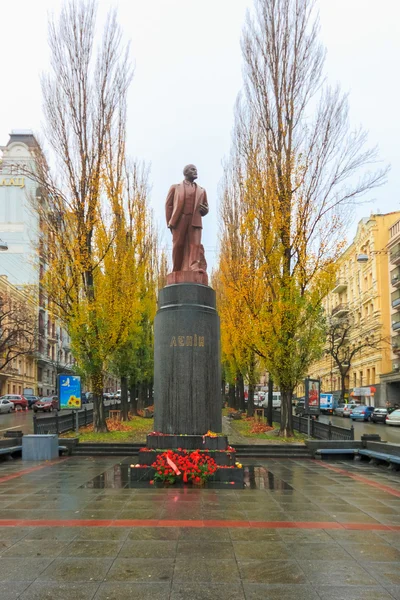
373	375
368	376
361	378
354	379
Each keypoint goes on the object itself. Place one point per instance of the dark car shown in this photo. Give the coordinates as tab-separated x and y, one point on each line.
31	400
379	415
47	404
300	408
362	413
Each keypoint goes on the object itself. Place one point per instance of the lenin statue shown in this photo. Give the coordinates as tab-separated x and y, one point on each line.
186	204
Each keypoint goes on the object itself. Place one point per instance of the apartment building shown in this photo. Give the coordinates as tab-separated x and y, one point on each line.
390	380
17	340
361	297
21	262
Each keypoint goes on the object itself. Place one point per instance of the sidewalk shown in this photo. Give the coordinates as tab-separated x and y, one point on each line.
301	530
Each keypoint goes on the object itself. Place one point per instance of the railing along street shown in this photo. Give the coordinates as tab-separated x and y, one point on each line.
320	431
61	423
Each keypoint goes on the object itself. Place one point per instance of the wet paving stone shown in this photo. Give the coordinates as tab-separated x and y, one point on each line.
216	560
133	591
92	549
254	591
263	550
206	591
214	571
148	549
205	550
353	593
11	570
346	572
76	569
31	548
62	534
60	591
10	590
153	533
283	572
386	573
141	570
194	534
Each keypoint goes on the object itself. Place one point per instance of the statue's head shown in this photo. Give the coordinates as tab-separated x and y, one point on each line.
190	172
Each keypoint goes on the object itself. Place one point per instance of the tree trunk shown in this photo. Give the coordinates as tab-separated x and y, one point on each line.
270	398
99	416
150	398
242	403
133	400
223	398
250	401
232	396
142	396
124	398
286	414
343	386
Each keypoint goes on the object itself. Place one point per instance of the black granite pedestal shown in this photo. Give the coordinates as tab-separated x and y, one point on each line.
187	378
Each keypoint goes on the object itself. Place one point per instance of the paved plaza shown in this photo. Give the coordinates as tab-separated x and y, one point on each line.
75	529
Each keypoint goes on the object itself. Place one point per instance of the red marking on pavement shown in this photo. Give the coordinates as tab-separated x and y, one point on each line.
49	463
379	486
198	524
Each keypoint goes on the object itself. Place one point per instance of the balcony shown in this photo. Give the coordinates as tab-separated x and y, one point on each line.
340	286
395	255
340	310
395	277
395	299
396	344
396	322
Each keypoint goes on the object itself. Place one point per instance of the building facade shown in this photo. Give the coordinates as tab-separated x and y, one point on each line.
17	340
361	297
391	379
21	262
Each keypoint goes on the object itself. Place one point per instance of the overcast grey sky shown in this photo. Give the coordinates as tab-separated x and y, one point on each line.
188	73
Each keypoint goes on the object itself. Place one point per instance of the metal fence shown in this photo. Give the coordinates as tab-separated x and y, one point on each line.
60	423
320	431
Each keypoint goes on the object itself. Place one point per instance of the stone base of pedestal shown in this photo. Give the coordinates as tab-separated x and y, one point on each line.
187	442
187	370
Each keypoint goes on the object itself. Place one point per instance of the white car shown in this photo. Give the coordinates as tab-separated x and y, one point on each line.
6	406
393	418
348	409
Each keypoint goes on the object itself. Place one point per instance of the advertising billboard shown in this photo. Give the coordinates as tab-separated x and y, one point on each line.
312	397
69	392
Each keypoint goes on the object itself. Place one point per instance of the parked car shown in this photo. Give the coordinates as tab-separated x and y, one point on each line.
362	413
46	404
348	409
393	418
6	406
17	399
379	415
300	408
31	400
338	411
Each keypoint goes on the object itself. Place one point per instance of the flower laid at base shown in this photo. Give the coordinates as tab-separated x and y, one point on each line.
194	467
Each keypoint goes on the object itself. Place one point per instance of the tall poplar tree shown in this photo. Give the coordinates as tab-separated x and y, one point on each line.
297	168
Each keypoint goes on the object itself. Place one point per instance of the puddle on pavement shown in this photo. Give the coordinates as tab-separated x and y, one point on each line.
255	478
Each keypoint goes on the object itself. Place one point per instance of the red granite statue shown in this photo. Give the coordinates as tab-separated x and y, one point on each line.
185	206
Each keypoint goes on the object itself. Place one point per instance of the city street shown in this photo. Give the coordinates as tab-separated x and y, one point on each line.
387	432
23	420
